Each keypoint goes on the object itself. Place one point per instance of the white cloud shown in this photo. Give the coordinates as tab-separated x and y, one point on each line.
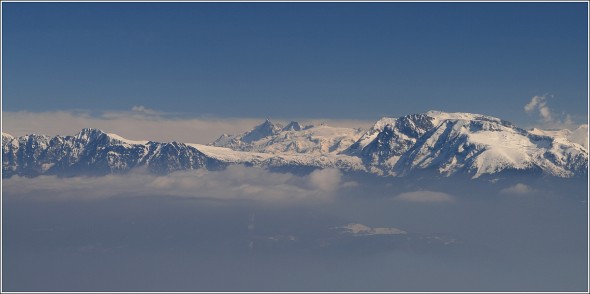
140	123
539	103
364	230
549	119
325	179
425	197
518	189
235	182
350	184
143	109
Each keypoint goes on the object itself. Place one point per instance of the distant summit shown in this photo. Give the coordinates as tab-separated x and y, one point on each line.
267	128
293	138
292	126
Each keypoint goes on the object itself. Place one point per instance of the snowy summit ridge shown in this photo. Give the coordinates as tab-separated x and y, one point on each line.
447	143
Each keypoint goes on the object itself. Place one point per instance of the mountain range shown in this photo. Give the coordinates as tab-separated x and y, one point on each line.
444	143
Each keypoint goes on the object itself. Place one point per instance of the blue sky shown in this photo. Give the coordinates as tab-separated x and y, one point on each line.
293	60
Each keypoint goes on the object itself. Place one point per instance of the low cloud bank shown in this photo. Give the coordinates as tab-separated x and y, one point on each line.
236	182
141	123
425	197
518	189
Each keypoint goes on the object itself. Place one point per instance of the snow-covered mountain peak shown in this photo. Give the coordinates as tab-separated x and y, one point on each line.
433	118
578	135
464	143
121	140
404	130
267	128
89	134
293	138
440	116
452	115
382	122
292	126
94	135
7	136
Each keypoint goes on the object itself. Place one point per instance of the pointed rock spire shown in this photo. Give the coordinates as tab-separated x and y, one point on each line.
267	128
293	126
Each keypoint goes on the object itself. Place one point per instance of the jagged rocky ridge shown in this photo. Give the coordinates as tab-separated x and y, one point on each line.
93	152
446	143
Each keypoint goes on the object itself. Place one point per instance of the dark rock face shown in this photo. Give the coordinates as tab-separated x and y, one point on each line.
396	139
293	126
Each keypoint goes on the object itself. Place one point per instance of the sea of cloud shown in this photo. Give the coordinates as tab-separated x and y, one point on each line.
236	182
250	229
